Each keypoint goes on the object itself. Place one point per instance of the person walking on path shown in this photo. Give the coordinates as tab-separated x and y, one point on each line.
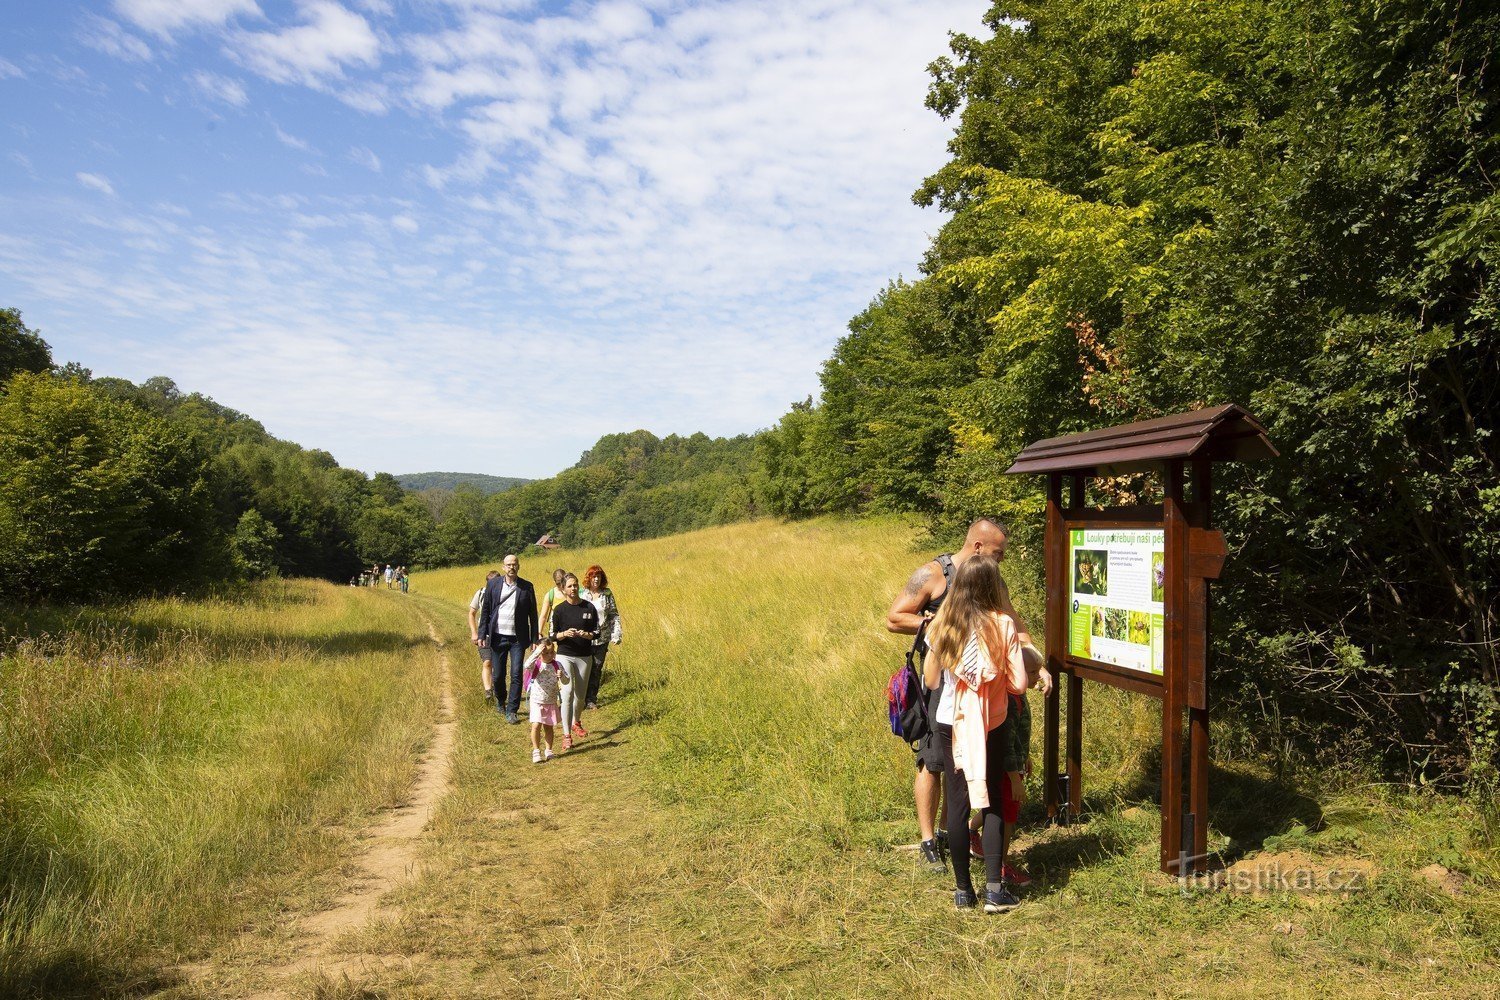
977	646
508	626
921	598
485	652
552	598
596	591
575	626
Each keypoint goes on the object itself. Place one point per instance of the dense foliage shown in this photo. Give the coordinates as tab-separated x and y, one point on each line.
1157	206
628	486
448	481
107	487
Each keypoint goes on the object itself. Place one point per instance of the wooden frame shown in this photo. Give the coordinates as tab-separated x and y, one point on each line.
1193	555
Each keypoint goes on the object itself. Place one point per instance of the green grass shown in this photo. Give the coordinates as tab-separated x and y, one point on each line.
171	770
729	829
751	686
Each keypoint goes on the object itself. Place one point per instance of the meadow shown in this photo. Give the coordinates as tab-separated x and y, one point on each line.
758	804
734	825
171	770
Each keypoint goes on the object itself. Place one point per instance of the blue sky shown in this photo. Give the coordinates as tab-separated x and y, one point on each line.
466	234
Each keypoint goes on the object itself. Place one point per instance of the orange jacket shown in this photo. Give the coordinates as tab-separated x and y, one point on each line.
986	679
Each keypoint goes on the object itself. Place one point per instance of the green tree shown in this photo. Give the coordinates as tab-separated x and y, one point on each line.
21	348
96	497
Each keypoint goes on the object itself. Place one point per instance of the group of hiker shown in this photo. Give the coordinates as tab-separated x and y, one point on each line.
553	651
978	660
977	663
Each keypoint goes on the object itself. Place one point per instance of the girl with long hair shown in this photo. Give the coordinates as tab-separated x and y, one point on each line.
976	643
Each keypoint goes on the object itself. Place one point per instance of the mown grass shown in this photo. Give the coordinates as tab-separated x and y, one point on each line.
751	688
172	770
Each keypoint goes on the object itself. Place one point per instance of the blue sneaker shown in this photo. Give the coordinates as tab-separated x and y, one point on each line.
999	900
512	718
964	899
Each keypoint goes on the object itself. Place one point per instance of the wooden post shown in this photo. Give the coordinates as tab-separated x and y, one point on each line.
1057	636
1074	747
1175	530
1198	708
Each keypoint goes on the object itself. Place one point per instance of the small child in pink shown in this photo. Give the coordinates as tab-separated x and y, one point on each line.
543	679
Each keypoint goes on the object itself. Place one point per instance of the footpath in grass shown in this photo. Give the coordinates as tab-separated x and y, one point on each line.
174	771
731	827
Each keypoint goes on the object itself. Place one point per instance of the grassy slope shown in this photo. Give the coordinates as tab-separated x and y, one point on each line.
172	770
729	828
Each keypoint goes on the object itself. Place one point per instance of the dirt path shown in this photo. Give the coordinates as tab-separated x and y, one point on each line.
389	860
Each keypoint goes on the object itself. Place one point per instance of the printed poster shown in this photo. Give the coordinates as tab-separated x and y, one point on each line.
1117	578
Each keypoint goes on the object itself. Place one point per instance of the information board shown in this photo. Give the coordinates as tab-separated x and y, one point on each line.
1115	597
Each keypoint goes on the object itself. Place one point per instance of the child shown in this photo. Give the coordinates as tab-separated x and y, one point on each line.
542	679
977	642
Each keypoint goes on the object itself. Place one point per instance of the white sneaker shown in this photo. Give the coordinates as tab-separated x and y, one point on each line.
550	754
536	756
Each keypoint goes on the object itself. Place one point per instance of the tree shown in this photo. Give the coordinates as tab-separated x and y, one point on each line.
21	349
98	497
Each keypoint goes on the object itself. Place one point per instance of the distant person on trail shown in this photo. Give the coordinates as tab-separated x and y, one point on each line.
508	626
484	651
918	602
575	626
543	682
552	599
974	655
388	576
596	591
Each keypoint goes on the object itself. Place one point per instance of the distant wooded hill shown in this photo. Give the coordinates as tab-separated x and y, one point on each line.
478	481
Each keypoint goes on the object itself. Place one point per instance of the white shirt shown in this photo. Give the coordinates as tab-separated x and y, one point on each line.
505	608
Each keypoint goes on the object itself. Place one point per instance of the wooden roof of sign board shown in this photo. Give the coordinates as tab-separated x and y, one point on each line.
1220	434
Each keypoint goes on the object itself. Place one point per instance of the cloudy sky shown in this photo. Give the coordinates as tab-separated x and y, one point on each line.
466	234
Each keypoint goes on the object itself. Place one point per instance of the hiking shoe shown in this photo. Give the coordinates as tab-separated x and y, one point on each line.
976	844
999	900
964	899
591	706
932	856
536	756
513	718
1014	876
567	742
579	731
489	694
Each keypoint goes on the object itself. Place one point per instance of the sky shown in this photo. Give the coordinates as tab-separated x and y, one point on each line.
466	235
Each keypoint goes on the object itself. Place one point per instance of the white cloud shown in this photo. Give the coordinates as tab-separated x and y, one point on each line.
287	139
163	17
365	157
95	182
9	69
219	88
104	35
329	39
695	198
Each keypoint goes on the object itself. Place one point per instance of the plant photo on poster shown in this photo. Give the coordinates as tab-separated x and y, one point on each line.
1118	585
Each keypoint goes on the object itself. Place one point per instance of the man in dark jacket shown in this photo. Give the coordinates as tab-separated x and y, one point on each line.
508	627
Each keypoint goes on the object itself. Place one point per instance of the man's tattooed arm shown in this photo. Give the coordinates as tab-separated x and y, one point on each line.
918	581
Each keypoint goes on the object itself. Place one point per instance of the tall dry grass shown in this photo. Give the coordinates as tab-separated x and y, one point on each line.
751	686
171	769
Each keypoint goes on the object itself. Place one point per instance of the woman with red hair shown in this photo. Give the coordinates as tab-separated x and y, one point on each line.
596	591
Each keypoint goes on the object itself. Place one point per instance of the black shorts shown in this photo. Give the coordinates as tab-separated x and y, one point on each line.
929	749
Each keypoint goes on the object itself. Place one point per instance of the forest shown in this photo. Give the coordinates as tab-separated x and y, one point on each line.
1157	207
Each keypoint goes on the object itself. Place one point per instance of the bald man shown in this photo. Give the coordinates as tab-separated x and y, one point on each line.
918	602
